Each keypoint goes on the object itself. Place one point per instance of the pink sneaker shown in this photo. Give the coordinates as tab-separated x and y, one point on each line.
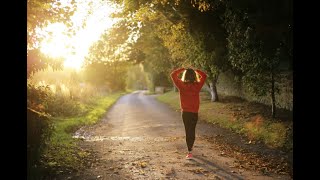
189	156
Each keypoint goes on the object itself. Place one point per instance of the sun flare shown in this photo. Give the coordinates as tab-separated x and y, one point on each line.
88	29
56	44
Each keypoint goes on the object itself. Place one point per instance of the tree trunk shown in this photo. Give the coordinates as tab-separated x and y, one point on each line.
213	90
273	98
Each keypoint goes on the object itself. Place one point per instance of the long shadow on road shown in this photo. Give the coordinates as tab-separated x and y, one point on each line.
216	169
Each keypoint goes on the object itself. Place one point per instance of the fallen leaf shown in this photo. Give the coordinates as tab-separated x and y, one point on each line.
143	164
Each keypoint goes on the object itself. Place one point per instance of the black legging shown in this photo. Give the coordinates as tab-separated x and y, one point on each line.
190	121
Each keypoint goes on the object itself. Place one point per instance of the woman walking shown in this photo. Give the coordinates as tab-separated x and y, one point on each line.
189	88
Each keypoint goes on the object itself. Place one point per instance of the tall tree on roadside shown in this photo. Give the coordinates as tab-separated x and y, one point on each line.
259	42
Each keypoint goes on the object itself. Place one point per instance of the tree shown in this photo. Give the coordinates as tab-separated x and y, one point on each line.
258	41
39	14
42	12
146	47
106	60
38	61
156	60
182	29
136	78
191	41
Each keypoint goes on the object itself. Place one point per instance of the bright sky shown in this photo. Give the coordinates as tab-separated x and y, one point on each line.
74	48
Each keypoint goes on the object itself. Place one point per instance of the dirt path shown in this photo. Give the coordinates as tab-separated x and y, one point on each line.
141	138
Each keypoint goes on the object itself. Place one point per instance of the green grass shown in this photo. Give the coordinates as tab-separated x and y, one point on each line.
171	98
240	117
62	150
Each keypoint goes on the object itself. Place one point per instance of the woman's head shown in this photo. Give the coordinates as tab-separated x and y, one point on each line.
189	75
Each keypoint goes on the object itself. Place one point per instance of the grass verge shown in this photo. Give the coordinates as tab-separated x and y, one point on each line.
62	153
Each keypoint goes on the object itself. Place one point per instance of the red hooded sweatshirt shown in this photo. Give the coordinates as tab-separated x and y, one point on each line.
189	92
